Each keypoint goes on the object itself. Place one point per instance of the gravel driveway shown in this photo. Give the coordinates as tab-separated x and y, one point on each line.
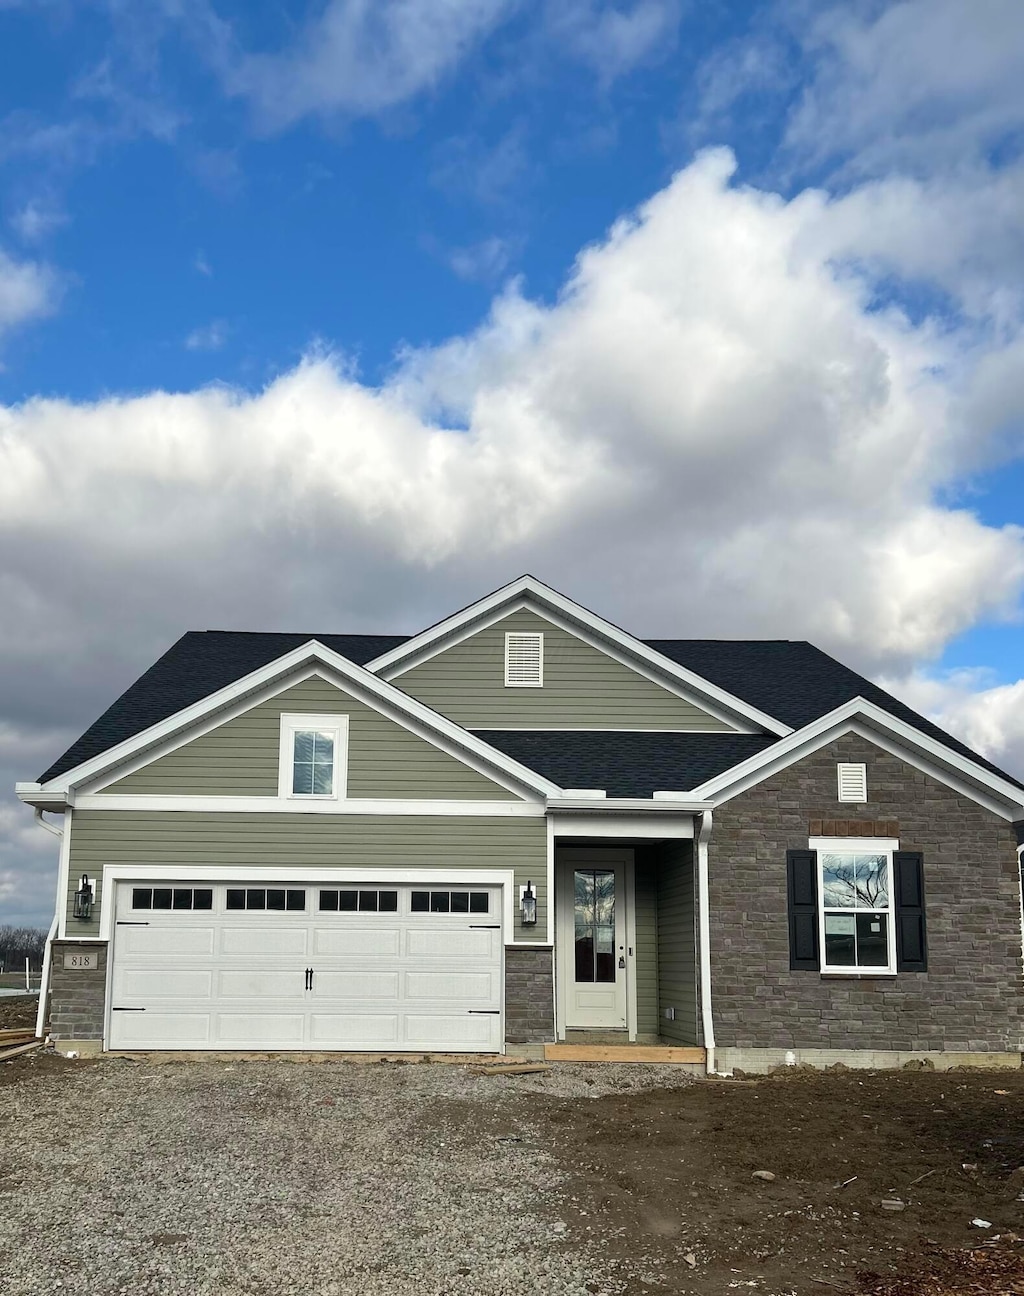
218	1179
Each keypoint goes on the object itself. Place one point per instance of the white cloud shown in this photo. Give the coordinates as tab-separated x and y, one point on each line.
361	57
615	38
37	220
485	261
210	337
28	290
914	85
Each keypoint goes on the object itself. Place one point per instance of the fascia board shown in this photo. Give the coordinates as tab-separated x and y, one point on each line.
629	805
968	775
519	593
356	676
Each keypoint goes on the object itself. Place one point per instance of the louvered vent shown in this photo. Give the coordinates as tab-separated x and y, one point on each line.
853	783
524	659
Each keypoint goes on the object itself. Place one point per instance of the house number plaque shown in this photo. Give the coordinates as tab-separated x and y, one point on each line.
81	962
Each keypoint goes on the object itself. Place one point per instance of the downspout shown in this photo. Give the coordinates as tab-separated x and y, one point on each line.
44	982
704	939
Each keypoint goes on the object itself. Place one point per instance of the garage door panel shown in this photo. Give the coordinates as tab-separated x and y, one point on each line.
455	1030
165	983
152	940
355	985
449	942
354	1030
359	942
258	1028
366	979
160	1030
475	988
262	938
261	983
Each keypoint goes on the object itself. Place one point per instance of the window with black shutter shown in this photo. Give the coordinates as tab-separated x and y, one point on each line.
911	936
802	888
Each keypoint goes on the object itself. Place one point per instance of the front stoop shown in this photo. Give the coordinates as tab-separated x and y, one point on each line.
662	1053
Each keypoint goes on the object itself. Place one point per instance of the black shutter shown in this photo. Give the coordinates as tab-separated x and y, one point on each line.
911	938
802	892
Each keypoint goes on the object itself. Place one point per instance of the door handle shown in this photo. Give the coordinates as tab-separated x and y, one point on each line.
309	978
622	961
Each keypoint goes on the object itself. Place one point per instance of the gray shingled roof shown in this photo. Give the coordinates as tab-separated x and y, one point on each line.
790	680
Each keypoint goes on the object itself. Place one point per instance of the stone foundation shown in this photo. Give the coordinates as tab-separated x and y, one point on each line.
758	1061
529	994
77	995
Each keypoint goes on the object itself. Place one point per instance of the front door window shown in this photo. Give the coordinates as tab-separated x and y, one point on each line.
594	918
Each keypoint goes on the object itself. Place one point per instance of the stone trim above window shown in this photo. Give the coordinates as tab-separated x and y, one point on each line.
853	828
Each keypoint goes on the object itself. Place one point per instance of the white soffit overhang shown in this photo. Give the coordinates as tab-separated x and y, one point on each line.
202	716
885	730
528	592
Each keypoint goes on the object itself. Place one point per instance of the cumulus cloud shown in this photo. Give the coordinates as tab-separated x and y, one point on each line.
28	290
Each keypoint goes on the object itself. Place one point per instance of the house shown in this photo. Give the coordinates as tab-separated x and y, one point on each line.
523	826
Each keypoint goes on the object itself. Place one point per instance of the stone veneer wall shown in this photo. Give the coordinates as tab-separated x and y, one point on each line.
972	996
76	997
529	995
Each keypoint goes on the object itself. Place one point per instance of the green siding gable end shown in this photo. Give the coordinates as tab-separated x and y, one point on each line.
240	757
583	687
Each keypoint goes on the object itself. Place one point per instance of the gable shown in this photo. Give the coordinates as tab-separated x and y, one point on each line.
583	688
240	756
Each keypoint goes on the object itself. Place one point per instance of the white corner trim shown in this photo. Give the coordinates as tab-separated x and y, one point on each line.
63	874
707	1016
429	875
870	721
593	630
364	686
311	805
293	722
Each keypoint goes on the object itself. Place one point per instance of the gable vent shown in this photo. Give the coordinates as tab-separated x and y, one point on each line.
853	782
524	659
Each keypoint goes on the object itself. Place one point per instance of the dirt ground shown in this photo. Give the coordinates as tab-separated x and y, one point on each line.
672	1172
661	1182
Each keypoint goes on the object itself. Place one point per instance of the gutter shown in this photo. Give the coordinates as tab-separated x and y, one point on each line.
44	983
704	940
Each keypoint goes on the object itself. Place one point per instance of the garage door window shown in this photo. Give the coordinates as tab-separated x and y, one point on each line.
172	898
273	898
450	902
363	901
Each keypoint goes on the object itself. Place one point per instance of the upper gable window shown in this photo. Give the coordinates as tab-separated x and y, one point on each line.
314	756
524	659
853	783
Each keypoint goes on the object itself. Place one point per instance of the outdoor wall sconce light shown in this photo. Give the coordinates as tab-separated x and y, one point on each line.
83	900
528	904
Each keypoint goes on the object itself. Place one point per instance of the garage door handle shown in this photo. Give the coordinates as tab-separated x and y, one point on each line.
123	922
127	1010
485	926
484	1012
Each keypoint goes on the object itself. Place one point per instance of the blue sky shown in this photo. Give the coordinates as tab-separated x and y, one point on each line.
710	314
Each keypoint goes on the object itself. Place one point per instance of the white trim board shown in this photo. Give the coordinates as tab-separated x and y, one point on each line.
291	805
360	683
878	726
405	875
528	592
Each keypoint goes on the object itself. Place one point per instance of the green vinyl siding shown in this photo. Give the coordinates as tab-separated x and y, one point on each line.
293	842
645	963
677	952
583	688
240	757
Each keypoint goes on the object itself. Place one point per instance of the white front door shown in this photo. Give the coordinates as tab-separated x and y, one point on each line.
592	947
376	967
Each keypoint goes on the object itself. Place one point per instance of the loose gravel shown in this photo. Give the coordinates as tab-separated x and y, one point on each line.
260	1178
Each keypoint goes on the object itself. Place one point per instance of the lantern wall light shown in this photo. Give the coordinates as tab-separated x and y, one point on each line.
83	900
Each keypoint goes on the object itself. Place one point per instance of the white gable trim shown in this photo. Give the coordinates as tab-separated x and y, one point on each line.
534	595
199	718
872	722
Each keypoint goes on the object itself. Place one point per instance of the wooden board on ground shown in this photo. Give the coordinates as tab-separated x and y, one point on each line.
16	1036
7	1054
513	1068
668	1054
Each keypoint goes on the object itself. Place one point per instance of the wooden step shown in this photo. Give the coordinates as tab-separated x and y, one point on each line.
665	1053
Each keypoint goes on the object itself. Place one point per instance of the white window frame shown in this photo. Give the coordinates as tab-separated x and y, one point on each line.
525	634
886	846
852	765
293	723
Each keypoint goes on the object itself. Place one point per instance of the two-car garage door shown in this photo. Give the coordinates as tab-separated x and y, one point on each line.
374	967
